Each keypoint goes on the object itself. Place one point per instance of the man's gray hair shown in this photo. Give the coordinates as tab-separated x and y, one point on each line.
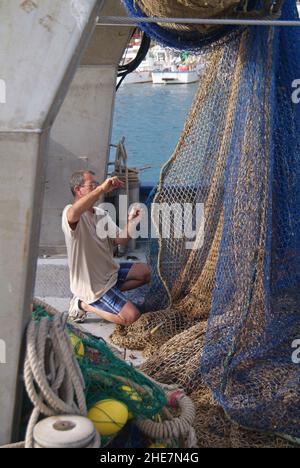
77	180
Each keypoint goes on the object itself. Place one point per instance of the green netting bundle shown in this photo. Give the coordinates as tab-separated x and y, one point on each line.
107	376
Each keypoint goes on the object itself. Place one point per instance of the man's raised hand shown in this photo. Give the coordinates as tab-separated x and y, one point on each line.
111	184
136	214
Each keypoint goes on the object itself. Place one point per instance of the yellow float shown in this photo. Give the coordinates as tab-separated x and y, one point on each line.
109	416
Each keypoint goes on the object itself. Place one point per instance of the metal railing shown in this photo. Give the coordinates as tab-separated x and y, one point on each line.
134	21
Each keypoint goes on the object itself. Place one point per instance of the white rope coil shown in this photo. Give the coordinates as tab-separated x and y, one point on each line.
174	428
18	445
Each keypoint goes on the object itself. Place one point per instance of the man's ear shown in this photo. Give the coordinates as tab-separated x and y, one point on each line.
77	190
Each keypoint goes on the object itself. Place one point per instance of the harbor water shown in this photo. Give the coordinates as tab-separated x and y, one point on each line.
151	118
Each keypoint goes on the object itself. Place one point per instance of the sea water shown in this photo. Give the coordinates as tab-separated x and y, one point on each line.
151	118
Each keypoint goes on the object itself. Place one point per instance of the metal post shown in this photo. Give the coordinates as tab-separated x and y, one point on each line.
41	44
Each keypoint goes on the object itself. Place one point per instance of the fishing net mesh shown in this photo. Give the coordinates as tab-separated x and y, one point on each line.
227	311
188	8
196	36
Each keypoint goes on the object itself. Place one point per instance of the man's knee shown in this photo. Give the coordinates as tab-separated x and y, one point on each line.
129	320
146	274
129	314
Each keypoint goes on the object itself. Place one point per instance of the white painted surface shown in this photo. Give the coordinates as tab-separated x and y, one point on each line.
81	134
36	39
79	140
138	77
175	77
80	11
40	47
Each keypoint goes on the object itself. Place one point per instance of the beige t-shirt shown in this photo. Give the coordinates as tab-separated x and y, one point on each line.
93	270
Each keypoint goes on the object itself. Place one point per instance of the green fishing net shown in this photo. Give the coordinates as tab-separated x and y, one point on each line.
107	376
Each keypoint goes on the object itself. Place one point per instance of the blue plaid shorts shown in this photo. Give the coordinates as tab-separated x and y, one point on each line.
114	300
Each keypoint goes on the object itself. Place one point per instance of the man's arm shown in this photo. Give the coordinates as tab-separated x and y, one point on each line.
87	202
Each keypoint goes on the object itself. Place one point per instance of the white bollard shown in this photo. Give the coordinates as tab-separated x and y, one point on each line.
64	432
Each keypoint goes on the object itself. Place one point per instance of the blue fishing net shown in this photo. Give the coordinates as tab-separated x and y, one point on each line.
194	38
255	316
239	155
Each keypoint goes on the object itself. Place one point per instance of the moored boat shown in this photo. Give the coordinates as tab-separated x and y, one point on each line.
175	77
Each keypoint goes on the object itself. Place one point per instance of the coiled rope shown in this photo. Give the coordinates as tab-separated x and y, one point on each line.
18	445
180	428
52	376
52	368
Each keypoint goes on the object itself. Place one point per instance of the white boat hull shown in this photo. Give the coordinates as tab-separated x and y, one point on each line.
138	77
175	77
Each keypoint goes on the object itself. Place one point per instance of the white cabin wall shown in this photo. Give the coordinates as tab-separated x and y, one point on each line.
81	134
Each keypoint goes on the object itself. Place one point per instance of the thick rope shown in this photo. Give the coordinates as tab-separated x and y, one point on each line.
175	428
18	445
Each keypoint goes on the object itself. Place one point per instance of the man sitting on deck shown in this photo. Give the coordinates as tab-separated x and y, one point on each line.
97	281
